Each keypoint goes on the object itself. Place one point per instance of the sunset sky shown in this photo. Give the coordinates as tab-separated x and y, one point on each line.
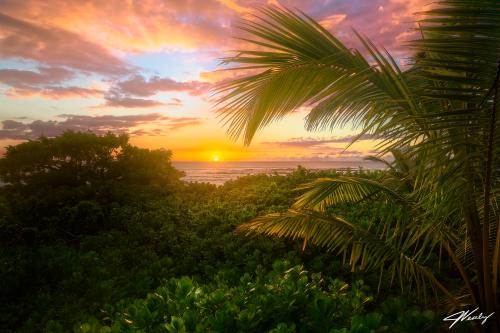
147	67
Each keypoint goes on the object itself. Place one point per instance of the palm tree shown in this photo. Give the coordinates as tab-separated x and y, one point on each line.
438	117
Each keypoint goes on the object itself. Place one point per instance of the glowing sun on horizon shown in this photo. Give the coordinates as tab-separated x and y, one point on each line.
215	158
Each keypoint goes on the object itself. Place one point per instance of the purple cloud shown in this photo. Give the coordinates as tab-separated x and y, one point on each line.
318	143
43	82
15	130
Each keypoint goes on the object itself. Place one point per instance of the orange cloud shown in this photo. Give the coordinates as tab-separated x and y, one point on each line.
54	92
219	76
235	6
332	21
134	25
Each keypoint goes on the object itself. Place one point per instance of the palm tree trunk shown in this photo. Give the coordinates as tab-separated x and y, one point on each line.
474	231
461	270
490	293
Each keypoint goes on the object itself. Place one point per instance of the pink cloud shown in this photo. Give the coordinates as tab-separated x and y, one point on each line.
55	46
80	34
24	78
139	86
67	38
124	93
114	100
154	24
134	25
389	23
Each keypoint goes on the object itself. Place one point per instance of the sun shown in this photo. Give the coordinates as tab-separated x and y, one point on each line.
215	158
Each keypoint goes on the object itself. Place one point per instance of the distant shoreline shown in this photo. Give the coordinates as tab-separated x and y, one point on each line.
219	172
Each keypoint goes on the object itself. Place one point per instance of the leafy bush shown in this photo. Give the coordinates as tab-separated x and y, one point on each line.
287	299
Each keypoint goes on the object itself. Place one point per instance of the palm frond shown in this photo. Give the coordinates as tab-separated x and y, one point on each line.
460	48
389	252
304	64
326	192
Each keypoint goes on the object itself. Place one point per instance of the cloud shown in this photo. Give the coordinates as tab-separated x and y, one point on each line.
136	26
139	86
125	93
349	138
135	125
175	102
336	154
386	22
56	47
26	83
55	92
299	143
317	143
148	25
332	21
224	75
12	125
116	100
23	78
178	123
88	36
68	38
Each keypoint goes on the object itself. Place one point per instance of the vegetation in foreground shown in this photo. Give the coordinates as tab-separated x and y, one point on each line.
101	236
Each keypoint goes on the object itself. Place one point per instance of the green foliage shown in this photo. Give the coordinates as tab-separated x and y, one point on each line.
77	158
67	186
79	255
287	299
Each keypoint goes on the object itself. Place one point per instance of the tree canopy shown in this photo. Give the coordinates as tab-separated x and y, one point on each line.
71	182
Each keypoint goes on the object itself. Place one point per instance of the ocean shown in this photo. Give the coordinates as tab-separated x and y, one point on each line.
219	172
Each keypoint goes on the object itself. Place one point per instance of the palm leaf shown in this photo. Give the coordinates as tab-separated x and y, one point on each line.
304	64
387	252
325	192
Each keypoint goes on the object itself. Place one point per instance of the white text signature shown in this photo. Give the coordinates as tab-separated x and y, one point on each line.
467	316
